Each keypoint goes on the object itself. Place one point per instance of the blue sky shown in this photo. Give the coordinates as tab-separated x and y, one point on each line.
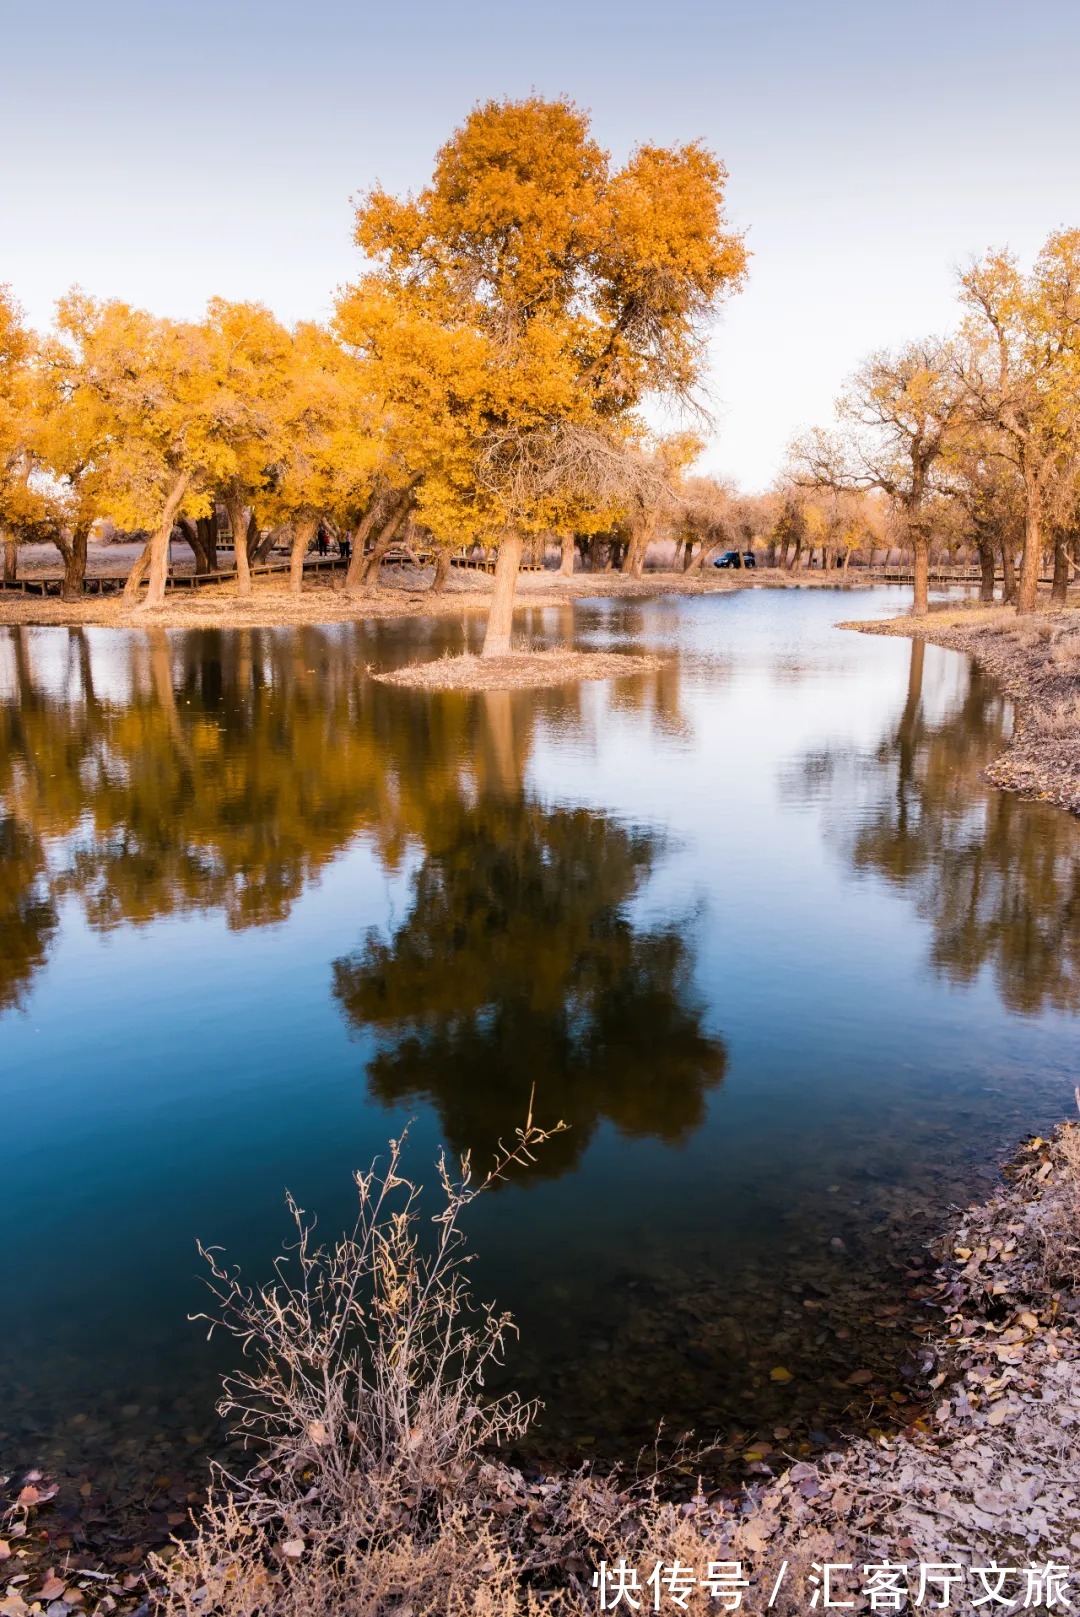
164	152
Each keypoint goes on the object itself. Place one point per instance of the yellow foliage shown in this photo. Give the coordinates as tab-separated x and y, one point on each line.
530	286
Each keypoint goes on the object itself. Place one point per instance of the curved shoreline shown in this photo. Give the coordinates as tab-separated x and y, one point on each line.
990	1475
1036	661
959	1485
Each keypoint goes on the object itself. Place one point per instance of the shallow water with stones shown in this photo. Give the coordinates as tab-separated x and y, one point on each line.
750	924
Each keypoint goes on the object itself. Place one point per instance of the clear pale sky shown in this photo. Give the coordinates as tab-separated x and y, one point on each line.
163	152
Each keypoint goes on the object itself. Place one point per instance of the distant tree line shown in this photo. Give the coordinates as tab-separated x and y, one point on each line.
973	440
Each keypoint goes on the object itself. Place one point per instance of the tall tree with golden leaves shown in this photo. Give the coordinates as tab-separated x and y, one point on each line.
574	290
1020	367
18	503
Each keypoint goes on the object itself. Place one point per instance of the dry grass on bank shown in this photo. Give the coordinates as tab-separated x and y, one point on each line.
1036	660
378	1492
378	1489
519	670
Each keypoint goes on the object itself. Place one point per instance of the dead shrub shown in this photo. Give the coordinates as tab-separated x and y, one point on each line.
362	1395
1060	720
376	1494
1065	651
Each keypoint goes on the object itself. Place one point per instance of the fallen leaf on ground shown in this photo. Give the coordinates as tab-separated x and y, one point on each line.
31	1496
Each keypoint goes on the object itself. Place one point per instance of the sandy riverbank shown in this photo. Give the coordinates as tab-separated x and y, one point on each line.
1036	660
520	670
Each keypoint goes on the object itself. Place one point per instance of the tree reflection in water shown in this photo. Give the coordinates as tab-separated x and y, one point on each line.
28	917
996	879
520	968
235	767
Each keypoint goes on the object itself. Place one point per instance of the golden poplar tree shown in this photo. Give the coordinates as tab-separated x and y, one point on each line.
559	292
19	504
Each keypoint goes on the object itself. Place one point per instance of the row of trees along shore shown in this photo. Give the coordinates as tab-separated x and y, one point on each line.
484	375
486	381
975	436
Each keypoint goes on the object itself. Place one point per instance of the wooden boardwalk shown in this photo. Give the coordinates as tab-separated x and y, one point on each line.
486	564
938	575
113	583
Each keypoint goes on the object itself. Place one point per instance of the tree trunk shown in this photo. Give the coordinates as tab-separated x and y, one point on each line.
638	549
356	571
687	555
75	562
11	557
207	529
397	519
267	542
986	569
193	534
566	562
159	545
705	552
1060	589
629	563
369	566
391	511
501	616
138	571
921	558
304	530
254	541
236	511
442	570
1028	585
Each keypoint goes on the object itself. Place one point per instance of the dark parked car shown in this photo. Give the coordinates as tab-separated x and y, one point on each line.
736	558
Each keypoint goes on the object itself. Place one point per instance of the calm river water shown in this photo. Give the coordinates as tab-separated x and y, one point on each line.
751	925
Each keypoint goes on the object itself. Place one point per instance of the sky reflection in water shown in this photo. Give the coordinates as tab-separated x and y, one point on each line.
751	925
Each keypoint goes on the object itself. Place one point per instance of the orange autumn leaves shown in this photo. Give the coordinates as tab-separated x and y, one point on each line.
533	285
529	288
